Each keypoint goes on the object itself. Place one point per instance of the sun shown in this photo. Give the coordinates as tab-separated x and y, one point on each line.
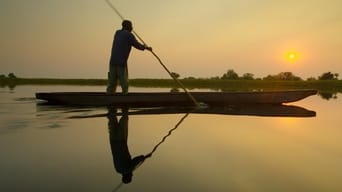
292	56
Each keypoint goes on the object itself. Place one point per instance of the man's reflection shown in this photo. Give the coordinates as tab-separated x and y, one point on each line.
118	134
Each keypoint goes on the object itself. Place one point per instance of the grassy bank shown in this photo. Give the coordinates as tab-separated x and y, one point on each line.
242	84
217	84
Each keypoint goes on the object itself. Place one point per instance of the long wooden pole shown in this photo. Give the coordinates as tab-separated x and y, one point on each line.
158	58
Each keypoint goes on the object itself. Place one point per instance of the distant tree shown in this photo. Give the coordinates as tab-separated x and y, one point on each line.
215	78
248	76
231	75
289	76
189	78
336	76
311	79
270	77
175	75
283	76
11	75
328	76
2	76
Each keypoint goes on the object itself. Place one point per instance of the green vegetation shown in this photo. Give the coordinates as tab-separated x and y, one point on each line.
326	84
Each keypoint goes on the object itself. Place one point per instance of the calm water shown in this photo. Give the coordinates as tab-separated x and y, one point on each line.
43	149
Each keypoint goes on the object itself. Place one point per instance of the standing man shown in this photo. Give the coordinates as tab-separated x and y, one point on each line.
122	44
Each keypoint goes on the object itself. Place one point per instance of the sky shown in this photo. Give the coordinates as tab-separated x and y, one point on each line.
194	38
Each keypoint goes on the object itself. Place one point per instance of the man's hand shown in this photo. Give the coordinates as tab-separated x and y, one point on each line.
148	48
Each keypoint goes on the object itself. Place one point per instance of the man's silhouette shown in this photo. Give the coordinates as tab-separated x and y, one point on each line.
118	135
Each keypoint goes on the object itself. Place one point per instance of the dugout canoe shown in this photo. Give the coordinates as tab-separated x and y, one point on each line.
158	99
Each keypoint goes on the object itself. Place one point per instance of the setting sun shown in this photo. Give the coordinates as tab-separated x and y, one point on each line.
292	56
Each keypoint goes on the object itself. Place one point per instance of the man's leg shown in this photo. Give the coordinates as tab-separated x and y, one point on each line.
123	76
112	80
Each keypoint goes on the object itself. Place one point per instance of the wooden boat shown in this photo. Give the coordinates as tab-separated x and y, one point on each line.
158	99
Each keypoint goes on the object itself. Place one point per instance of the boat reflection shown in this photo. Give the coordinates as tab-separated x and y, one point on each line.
250	110
247	110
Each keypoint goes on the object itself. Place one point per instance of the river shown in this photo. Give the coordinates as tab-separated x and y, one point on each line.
51	148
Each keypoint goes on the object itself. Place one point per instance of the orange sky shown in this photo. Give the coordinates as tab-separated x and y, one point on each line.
200	38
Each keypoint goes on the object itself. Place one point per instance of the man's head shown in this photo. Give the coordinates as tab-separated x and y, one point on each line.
127	25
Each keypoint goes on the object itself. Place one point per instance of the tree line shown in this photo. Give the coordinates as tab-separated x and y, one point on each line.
283	76
232	75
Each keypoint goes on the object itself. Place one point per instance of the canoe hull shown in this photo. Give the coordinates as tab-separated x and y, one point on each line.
157	99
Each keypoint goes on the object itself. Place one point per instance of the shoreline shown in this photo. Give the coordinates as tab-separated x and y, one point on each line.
219	84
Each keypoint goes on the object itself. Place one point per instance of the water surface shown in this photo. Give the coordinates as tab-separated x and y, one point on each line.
43	149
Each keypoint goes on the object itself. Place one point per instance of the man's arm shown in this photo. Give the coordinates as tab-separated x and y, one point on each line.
138	45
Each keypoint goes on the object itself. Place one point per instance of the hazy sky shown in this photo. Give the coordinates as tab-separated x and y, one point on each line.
200	38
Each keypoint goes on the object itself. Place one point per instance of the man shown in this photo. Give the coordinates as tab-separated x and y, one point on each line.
122	44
